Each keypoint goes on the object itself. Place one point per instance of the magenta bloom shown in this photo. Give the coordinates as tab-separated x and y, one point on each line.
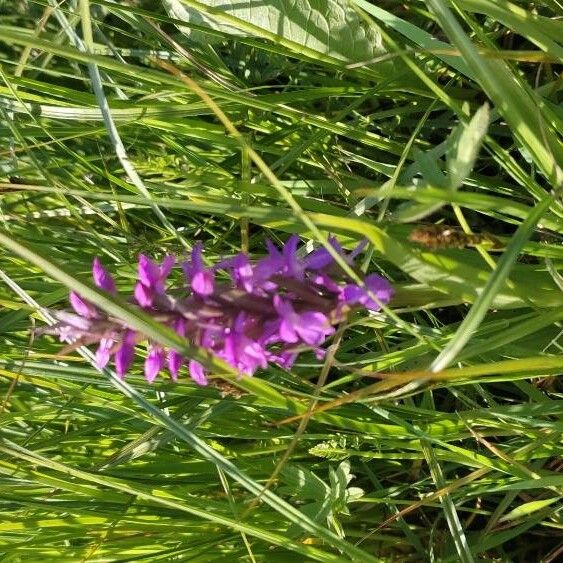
102	278
154	362
311	326
125	354
103	353
196	372
81	306
374	284
251	315
175	359
241	351
201	279
151	279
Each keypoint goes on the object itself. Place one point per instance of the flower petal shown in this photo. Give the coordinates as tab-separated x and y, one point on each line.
242	272
352	294
203	283
292	264
149	272
197	258
82	307
166	266
380	287
102	278
197	373
124	355
175	361
154	363
376	285
103	352
313	327
144	294
287	332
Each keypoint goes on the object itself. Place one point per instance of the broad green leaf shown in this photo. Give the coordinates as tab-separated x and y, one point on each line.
327	27
415	34
303	483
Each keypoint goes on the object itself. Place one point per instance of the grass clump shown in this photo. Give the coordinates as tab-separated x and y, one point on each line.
431	430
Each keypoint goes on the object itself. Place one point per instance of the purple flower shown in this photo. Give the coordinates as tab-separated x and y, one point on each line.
242	272
82	307
102	278
286	262
269	311
321	257
154	362
125	354
286	359
151	279
242	352
175	359
103	353
70	327
197	372
202	279
311	326
292	265
353	294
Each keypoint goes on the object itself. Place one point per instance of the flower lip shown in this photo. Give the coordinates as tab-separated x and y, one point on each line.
201	279
125	354
311	326
154	362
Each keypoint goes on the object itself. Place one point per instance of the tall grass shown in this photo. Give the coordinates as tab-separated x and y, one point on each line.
432	431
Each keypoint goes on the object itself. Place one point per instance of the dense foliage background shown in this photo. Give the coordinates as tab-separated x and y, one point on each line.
432	431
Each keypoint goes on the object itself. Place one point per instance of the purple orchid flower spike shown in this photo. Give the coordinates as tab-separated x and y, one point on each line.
102	278
311	326
353	294
269	312
202	279
151	279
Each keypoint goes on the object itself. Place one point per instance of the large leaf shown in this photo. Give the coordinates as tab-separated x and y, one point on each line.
328	27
